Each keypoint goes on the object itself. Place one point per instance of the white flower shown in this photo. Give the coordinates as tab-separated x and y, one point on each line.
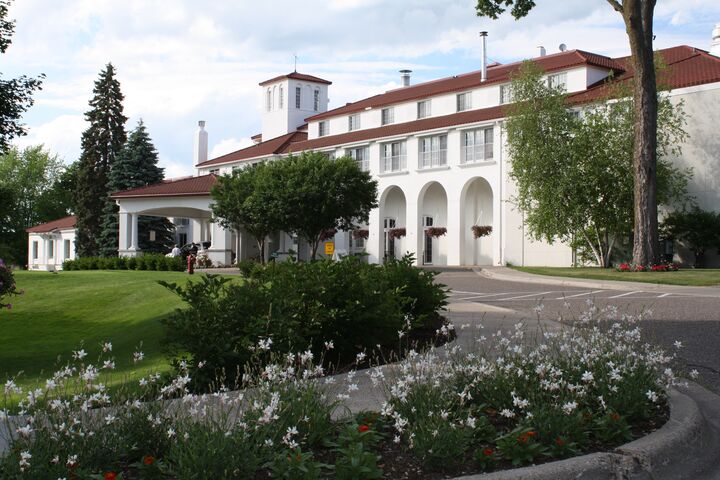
79	354
109	419
329	345
360	357
25	460
25	431
587	377
108	365
507	413
652	396
71	461
107	347
138	356
264	344
677	344
569	407
170	433
694	374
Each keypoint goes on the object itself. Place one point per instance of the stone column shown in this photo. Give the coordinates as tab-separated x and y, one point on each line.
133	232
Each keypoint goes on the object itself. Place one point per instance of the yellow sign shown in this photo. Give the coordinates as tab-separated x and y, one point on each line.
329	248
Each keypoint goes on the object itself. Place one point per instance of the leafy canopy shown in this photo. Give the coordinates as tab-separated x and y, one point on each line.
573	168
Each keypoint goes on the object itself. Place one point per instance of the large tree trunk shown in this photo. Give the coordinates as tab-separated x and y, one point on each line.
638	16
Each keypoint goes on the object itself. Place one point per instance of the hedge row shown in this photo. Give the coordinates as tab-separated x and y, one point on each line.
144	262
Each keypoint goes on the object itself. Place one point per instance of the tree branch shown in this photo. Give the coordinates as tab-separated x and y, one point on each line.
616	5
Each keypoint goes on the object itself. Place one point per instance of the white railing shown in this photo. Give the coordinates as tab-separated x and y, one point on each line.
435	158
476	153
397	163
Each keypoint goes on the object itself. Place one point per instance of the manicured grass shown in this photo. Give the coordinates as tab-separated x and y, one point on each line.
63	312
692	277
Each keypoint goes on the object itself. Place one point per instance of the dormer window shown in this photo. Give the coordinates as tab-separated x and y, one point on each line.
298	92
388	116
322	129
423	109
505	94
316	100
558	81
353	122
464	101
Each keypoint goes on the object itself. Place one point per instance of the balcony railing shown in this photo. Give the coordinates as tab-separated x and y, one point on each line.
397	163
435	158
476	153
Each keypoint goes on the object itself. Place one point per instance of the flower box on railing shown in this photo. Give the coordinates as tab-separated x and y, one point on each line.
435	231
397	233
481	230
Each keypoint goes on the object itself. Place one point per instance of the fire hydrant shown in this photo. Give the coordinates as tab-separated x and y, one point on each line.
191	264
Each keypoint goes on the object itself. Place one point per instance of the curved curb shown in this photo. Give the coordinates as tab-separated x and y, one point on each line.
523	277
685	447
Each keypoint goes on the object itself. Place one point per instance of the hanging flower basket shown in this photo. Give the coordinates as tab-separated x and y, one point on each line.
328	234
363	233
397	232
481	230
435	231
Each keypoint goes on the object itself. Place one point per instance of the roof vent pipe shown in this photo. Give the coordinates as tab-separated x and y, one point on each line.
483	59
542	50
715	45
405	77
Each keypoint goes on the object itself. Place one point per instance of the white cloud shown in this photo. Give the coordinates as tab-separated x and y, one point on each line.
229	145
60	135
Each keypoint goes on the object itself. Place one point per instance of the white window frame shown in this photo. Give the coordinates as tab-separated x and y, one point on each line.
506	95
322	128
35	249
387	116
353	122
475	147
281	100
393	156
424	109
268	104
361	155
298	97
463	101
66	248
316	100
51	248
558	80
432	151
214	171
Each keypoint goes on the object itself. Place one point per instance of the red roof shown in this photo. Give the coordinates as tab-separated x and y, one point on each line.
172	188
296	76
274	146
495	74
59	224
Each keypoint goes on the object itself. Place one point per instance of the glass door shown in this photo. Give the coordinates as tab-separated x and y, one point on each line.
389	224
428	250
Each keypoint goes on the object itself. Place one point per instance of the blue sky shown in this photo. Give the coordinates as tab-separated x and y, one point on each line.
181	61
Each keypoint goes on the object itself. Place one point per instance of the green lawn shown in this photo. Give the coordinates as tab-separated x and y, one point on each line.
692	277
61	312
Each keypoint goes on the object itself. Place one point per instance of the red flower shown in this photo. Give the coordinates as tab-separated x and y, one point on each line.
523	438
148	460
109	476
363	428
488	452
614	416
531	433
559	442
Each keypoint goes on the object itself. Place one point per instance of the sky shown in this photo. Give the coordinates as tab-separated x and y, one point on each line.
180	61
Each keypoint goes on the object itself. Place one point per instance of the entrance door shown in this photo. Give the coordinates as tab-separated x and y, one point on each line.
388	224
428	251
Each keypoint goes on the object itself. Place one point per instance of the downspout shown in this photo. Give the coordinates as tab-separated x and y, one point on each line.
501	224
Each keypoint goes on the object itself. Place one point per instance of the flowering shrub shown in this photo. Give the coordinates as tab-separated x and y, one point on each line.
662	267
435	231
521	400
481	230
513	400
7	284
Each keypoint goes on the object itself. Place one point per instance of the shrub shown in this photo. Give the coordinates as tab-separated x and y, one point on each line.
7	284
248	267
356	305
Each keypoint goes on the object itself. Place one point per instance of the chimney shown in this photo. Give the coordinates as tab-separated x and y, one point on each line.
715	45
201	144
483	59
405	77
542	50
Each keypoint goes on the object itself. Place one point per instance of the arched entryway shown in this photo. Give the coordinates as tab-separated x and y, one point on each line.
476	202
432	213
393	208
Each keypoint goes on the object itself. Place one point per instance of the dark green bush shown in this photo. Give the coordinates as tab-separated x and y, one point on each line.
248	267
356	305
145	262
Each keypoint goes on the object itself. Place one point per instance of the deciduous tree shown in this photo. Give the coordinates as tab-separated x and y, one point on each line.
573	169
15	93
638	18
696	228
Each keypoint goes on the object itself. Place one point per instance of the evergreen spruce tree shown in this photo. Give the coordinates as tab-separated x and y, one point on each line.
101	143
135	166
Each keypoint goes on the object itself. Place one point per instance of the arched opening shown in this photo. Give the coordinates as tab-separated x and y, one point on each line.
432	215
476	203
393	208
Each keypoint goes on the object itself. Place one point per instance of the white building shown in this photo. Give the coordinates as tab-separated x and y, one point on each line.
438	152
50	244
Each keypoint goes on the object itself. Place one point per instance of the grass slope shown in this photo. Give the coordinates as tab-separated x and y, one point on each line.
692	277
61	312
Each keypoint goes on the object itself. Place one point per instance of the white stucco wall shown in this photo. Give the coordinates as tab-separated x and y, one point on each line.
50	257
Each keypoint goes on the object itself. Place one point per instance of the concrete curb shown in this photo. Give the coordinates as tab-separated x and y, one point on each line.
522	277
686	447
